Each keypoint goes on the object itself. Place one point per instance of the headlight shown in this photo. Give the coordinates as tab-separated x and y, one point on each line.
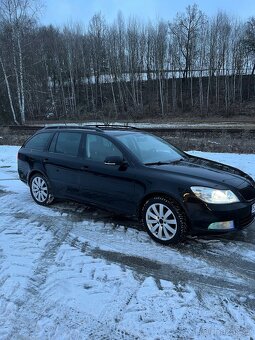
215	196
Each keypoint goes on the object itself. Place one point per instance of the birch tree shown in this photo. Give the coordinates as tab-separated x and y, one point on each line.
8	91
16	14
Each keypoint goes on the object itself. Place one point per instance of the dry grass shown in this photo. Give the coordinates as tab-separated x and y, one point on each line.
213	141
216	141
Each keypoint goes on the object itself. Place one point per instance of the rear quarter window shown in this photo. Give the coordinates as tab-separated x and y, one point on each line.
39	141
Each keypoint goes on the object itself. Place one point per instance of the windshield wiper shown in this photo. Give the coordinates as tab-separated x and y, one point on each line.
157	163
163	163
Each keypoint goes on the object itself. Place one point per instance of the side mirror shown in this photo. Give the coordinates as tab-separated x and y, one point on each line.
114	160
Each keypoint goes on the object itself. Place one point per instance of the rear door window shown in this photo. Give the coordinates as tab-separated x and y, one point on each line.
68	143
39	141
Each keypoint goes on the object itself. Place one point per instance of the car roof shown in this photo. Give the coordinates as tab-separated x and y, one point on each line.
107	129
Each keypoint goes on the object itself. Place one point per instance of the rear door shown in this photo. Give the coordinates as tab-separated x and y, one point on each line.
62	163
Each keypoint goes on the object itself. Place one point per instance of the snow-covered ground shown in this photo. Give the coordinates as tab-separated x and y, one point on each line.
72	272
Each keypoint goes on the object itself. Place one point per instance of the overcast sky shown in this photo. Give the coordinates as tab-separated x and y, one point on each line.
59	12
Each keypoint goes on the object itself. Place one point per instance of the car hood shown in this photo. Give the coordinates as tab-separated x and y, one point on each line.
204	169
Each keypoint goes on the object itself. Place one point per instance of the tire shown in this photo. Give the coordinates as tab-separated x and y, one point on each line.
40	190
164	220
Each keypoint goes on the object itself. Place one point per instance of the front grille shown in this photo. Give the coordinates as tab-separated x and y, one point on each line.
242	223
248	193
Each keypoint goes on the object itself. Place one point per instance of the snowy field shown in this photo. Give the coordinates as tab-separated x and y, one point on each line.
73	272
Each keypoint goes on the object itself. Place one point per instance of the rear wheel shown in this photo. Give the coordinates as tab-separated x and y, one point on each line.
40	190
164	220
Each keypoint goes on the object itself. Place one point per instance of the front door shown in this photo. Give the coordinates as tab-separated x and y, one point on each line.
109	186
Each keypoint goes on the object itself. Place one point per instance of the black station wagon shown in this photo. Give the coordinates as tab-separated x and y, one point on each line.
138	174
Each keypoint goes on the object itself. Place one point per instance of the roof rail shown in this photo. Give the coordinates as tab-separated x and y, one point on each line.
115	126
95	127
85	127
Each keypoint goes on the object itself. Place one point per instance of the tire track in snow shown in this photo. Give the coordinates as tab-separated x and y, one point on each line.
198	252
37	280
61	228
160	269
218	253
98	327
171	265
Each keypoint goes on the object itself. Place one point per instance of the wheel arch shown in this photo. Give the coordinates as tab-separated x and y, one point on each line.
33	172
159	194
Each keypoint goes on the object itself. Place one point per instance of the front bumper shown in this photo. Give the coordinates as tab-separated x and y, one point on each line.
201	215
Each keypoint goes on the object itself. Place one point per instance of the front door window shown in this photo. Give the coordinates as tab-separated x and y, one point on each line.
98	148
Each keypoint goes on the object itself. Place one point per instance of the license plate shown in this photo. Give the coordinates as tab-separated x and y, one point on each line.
253	208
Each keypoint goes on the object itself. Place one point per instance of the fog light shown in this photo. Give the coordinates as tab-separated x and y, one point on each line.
222	225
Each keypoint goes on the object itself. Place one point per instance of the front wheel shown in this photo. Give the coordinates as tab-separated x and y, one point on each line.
40	190
164	220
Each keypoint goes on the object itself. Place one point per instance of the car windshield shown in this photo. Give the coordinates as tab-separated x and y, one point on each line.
150	149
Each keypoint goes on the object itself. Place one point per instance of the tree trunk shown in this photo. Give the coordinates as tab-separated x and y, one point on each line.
201	94
9	92
191	92
174	94
253	70
208	94
161	93
21	74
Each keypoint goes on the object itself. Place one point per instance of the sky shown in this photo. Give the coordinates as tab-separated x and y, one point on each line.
60	12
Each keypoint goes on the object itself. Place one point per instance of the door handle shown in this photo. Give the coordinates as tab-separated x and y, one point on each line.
45	160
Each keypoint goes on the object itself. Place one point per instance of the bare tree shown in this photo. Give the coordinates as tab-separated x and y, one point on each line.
186	28
97	31
249	40
8	91
126	68
17	14
160	51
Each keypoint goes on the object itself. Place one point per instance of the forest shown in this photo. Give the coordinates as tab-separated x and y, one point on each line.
127	69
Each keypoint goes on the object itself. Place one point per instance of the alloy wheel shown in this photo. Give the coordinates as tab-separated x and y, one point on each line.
161	221
39	189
